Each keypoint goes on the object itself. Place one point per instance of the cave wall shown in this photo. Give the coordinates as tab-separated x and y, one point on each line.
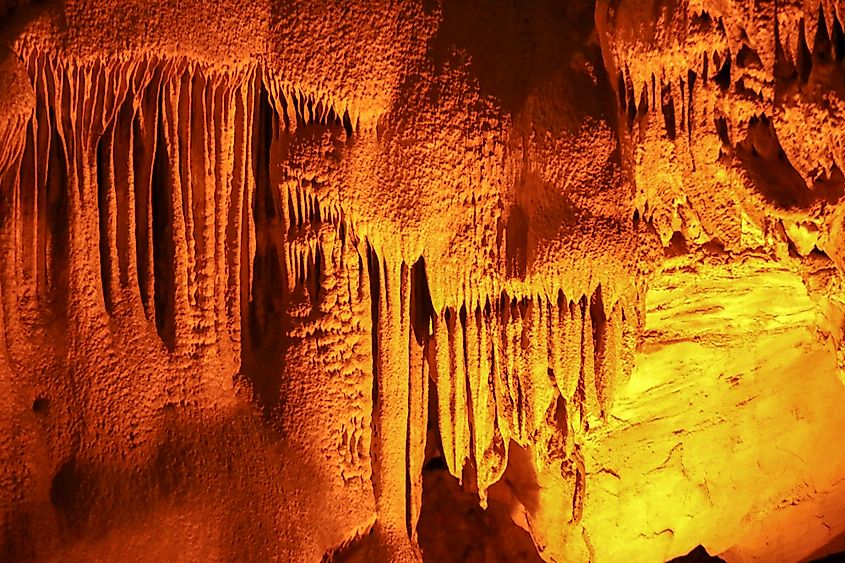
290	281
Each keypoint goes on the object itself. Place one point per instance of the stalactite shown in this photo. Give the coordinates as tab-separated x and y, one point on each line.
420	316
173	170
460	400
523	360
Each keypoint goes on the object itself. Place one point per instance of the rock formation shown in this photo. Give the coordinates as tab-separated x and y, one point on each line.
418	280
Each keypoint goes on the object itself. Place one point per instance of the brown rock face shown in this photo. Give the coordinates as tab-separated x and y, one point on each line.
440	281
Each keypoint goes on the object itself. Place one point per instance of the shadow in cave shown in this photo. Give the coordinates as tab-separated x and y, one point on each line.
834	550
763	159
697	555
214	471
452	524
265	318
515	48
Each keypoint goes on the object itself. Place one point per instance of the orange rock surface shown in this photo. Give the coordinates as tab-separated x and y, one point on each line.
422	280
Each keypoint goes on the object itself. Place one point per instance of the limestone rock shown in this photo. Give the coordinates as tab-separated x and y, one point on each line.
421	280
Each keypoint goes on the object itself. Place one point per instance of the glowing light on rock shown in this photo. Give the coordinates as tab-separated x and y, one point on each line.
457	280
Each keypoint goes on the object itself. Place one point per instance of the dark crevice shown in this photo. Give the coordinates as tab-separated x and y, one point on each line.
347	124
43	153
144	136
667	106
722	130
122	172
769	169
599	322
579	489
183	119
40	405
581	390
316	279
415	383
462	317
375	299
620	91
723	77
804	59
240	277
422	310
163	246
520	405
103	185
701	22
642	107
837	39
264	344
677	245
454	528
691	78
785	72
632	102
57	243
748	58
745	92
830	186
27	199
294	220
196	172
822	48
557	417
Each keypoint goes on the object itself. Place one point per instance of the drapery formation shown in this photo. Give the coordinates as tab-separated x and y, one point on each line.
148	203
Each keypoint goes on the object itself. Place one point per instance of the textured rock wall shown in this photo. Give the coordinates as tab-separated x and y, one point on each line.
332	280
